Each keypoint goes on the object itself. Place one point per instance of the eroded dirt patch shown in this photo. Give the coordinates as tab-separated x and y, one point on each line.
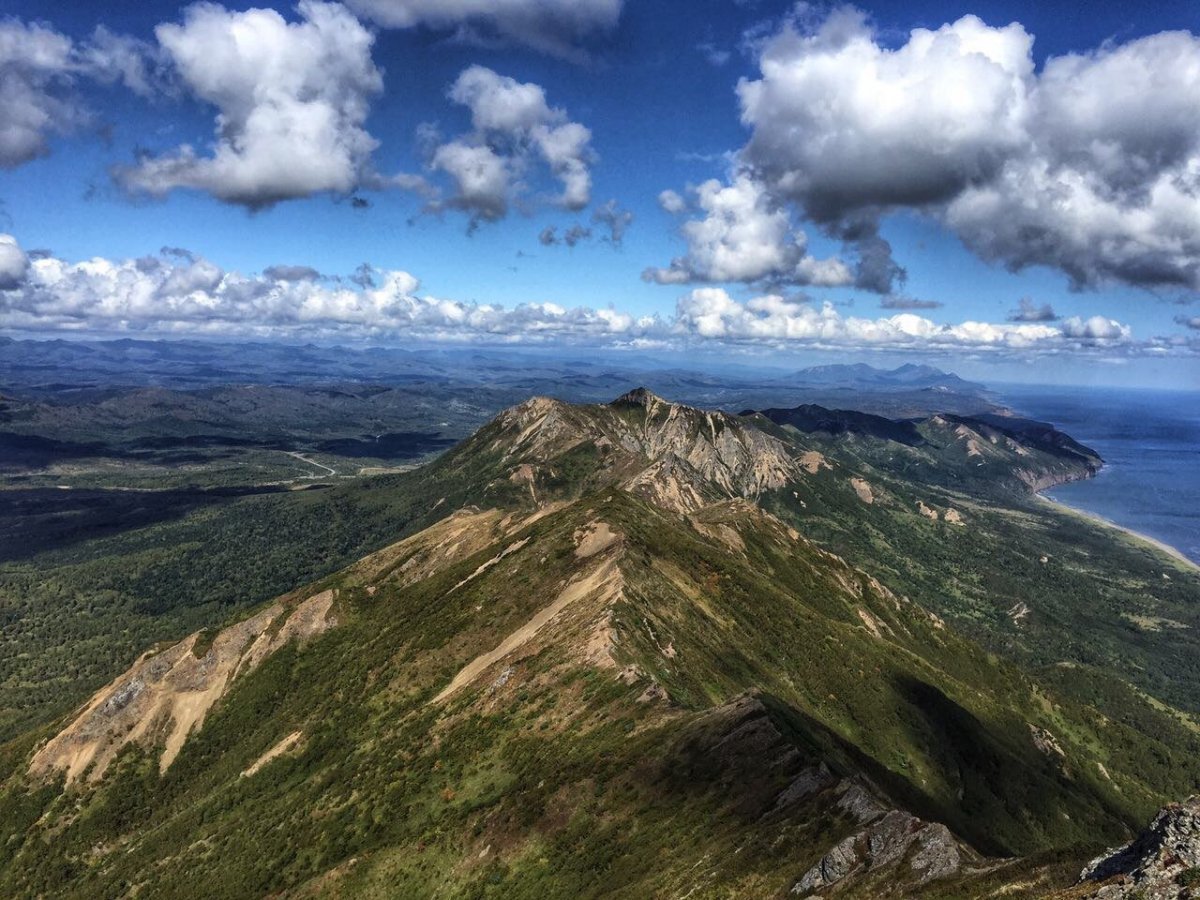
865	494
604	580
166	695
274	753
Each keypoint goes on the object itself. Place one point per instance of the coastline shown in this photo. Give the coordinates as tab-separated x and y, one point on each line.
1098	519
1102	422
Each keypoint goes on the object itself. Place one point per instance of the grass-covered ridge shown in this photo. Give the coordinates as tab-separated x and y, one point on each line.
563	761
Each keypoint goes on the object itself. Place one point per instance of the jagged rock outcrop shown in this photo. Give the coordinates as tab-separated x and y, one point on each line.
1162	863
891	838
746	737
678	457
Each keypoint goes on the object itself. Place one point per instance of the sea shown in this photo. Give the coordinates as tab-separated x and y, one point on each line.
1150	442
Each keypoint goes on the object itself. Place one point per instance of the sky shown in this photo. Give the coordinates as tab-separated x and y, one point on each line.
1011	185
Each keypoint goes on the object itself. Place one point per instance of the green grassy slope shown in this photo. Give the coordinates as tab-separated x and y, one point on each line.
1036	582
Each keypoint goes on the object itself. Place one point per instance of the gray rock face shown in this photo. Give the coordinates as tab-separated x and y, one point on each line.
1163	863
683	457
810	781
924	851
833	867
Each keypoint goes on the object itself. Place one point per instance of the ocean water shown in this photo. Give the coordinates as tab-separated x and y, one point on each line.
1150	442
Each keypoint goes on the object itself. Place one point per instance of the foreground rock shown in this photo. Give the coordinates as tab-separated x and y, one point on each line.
1163	863
893	840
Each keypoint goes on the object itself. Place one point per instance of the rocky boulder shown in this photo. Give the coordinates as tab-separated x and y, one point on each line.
1162	863
891	839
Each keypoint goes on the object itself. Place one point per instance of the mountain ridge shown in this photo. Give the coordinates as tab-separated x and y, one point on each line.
614	610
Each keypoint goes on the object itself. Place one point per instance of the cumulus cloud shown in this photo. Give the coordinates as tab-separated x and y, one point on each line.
39	73
112	58
842	124
743	235
35	67
1091	166
1109	186
1192	322
482	179
672	202
291	99
1028	311
711	312
512	126
14	264
1096	328
178	292
556	27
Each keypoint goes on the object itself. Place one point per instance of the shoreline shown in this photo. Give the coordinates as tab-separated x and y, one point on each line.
1174	552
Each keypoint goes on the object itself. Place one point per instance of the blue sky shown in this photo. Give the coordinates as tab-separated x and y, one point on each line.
655	85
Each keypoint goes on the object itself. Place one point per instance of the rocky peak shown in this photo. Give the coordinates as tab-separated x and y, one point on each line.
534	407
1162	863
643	397
677	455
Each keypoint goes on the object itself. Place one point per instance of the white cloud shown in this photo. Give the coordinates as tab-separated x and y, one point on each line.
291	98
566	151
1091	166
113	58
712	313
499	103
743	235
39	72
672	202
513	125
14	264
1096	328
35	67
557	27
176	292
842	124
481	176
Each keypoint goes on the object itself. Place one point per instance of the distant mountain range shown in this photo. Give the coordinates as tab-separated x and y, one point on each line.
172	408
50	365
905	377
